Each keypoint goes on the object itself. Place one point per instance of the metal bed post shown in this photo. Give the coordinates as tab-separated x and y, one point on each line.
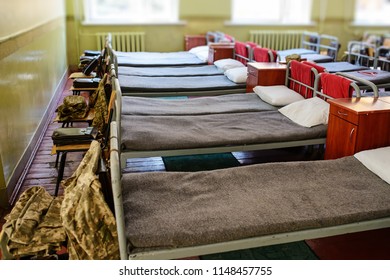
116	182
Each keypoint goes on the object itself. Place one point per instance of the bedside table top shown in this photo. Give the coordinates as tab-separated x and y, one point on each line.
385	99
267	65
362	105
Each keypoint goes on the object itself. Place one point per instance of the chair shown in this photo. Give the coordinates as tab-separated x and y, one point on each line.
63	150
105	83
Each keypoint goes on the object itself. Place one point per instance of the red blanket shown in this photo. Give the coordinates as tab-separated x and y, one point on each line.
336	86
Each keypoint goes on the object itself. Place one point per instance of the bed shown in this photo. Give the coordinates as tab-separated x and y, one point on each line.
357	59
159	59
186	132
191	214
244	52
362	66
313	47
194	57
178	71
215	79
177	86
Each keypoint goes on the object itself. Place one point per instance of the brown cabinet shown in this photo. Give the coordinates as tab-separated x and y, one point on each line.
192	41
357	124
265	74
220	51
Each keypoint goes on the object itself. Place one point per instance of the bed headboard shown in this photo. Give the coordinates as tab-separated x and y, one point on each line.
242	51
382	58
260	54
360	53
302	78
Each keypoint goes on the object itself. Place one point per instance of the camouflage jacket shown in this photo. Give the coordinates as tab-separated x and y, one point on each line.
99	101
86	217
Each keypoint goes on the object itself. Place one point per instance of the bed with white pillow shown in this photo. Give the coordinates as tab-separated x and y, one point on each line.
159	127
247	206
163	135
224	77
195	57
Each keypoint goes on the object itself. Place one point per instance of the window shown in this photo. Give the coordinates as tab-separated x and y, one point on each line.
271	12
131	11
372	12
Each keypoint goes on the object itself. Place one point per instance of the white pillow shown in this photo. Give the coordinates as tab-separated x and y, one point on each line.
203	55
307	112
237	75
277	95
228	63
199	49
376	160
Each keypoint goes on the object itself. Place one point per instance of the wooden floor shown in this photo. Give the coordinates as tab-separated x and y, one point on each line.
43	172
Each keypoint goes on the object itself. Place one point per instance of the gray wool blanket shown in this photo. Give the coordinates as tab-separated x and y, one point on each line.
153	133
203	70
171	84
155	59
179	209
231	103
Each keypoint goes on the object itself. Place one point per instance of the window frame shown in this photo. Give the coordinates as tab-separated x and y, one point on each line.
278	22
361	22
89	18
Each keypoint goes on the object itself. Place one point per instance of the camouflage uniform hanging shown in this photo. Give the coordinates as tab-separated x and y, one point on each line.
99	101
88	221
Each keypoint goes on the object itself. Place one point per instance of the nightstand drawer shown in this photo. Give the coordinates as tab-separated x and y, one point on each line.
344	114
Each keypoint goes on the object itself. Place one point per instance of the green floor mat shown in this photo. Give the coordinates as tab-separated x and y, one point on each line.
288	251
200	162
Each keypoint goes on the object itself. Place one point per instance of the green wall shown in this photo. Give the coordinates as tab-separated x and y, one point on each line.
33	64
329	16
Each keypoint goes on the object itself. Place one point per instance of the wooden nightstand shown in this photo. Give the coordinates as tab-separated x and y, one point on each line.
220	51
357	124
265	74
191	41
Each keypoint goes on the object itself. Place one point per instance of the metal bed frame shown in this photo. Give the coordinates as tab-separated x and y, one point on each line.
117	161
233	148
246	243
323	43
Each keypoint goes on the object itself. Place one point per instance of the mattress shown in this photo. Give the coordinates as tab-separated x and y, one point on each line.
142	59
378	77
204	70
232	103
176	84
154	133
317	58
180	209
299	51
341	66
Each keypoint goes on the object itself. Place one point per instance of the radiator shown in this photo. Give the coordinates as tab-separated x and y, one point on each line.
277	40
123	41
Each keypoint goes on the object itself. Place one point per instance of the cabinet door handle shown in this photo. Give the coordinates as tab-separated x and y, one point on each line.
341	113
352	131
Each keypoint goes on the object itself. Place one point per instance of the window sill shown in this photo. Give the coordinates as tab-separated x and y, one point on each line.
367	24
232	23
110	23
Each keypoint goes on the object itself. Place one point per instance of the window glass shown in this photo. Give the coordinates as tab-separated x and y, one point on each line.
271	12
131	11
372	12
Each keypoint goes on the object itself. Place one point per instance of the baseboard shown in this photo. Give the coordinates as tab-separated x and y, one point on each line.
21	170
